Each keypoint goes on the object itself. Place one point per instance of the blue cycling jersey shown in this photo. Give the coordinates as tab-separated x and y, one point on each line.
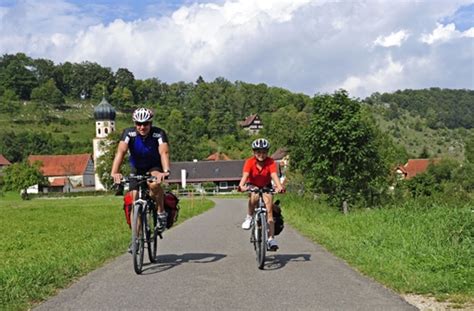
144	153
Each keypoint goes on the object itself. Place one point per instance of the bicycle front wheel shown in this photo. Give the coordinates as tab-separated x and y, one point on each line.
137	239
261	240
152	234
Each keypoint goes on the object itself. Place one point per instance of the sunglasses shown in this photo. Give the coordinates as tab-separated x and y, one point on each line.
142	123
260	150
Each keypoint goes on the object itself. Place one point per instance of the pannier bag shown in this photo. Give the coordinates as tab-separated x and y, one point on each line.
172	208
278	218
127	207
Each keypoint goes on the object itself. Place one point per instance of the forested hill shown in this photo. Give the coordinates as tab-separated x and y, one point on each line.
47	108
440	107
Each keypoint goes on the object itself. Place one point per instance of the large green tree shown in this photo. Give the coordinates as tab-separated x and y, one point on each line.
16	73
338	154
48	94
22	175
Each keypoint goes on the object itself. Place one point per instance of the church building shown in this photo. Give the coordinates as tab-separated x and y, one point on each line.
104	115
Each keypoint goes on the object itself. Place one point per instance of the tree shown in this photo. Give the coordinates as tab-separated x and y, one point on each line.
283	126
337	153
124	79
104	162
20	176
180	146
469	149
16	74
48	94
122	97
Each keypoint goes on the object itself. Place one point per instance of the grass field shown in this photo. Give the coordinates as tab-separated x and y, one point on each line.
47	243
415	247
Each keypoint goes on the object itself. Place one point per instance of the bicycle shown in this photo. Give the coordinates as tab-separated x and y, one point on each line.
144	223
259	226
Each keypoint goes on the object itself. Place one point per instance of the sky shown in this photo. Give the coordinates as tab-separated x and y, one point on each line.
305	46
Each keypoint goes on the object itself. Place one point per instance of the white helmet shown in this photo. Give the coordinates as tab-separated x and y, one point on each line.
260	143
142	115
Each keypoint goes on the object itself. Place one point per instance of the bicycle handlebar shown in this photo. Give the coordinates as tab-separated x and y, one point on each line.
138	178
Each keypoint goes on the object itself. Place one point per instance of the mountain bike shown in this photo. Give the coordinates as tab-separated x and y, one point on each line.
144	223
259	226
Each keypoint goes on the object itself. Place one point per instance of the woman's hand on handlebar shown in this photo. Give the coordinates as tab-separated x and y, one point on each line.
279	189
243	188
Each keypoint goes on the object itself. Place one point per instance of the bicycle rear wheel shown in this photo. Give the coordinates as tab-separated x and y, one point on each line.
137	239
151	234
261	240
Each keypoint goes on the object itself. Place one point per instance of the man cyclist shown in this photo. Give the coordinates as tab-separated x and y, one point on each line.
149	153
259	171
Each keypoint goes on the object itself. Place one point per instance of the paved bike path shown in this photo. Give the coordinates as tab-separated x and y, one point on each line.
208	263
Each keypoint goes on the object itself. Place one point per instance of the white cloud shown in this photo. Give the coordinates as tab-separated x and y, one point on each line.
394	39
302	45
376	79
441	33
444	33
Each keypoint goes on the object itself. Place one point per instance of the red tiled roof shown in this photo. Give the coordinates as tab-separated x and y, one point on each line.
57	182
248	120
218	156
3	160
62	165
416	166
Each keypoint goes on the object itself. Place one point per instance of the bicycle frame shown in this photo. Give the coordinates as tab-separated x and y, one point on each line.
144	214
259	227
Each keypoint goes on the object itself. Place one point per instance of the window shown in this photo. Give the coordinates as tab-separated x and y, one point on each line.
223	185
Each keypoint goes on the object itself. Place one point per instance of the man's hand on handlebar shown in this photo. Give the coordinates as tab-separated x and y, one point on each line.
117	178
160	177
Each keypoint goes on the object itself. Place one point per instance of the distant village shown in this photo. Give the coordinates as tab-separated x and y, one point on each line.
77	172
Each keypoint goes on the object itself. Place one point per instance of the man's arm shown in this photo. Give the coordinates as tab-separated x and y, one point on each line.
164	151
119	155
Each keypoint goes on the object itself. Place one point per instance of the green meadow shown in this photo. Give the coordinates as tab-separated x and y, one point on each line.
46	243
419	246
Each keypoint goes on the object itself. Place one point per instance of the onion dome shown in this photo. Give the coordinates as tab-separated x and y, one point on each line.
104	111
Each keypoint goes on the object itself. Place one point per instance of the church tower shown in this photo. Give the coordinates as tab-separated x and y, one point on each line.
104	115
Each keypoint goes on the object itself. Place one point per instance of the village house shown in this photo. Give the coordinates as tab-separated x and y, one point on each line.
218	156
65	173
3	162
224	175
414	167
282	158
253	124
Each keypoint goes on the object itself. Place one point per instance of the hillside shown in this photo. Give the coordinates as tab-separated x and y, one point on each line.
419	140
48	109
71	129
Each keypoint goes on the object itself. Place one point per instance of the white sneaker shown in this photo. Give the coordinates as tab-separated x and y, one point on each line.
247	223
272	245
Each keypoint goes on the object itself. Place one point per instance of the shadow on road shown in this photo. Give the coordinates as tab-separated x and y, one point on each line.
166	262
276	262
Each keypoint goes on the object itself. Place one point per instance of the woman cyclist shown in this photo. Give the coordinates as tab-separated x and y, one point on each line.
259	171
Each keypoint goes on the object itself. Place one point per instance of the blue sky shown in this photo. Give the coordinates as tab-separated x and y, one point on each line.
309	46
